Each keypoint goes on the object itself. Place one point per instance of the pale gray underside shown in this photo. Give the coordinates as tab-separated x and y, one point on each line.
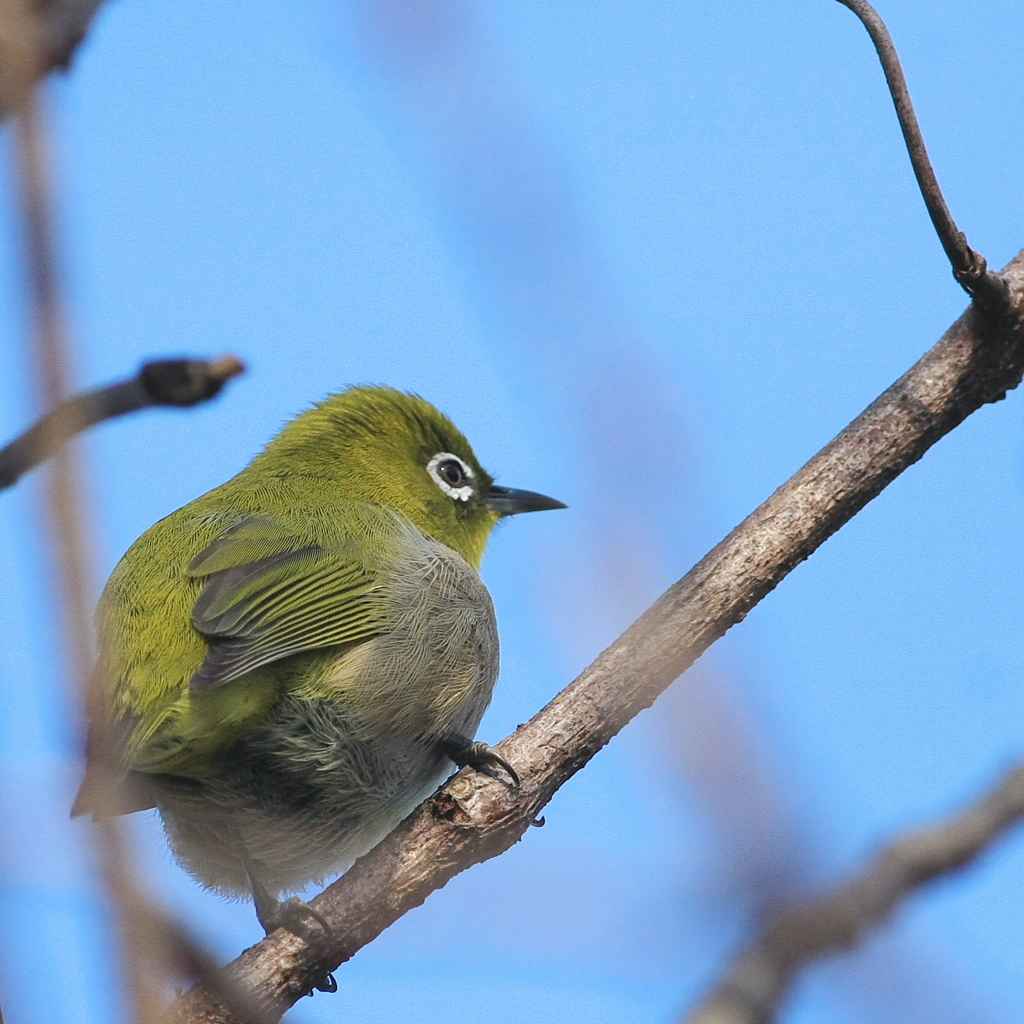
324	780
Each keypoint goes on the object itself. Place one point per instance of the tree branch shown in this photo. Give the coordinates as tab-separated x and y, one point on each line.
473	818
969	267
754	986
167	382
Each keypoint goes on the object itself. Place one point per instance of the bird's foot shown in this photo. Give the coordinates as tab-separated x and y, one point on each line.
299	918
293	915
481	757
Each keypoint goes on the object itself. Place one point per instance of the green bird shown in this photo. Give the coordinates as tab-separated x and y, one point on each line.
293	661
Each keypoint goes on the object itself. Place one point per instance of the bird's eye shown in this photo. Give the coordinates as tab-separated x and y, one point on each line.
451	472
452	475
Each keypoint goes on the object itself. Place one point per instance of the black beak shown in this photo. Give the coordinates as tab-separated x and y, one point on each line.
507	501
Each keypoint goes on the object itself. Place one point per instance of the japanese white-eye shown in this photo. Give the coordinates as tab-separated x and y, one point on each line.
293	661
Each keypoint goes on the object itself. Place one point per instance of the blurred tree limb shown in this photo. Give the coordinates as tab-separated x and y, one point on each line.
179	383
473	818
754	986
154	948
57	28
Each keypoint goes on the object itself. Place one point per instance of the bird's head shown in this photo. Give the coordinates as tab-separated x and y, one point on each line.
385	446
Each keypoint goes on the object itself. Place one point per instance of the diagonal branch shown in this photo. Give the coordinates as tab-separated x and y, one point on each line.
473	818
969	267
758	980
177	383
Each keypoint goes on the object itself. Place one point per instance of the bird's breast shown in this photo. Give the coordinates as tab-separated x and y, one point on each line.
432	670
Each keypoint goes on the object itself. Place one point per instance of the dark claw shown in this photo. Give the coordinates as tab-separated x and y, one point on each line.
328	983
538	822
294	915
320	920
481	757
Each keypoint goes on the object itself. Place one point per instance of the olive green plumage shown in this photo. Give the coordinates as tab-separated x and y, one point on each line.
291	661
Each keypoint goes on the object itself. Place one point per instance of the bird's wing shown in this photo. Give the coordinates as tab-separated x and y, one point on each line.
268	594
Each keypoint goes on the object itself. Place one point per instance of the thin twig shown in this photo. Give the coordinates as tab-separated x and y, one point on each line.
756	983
178	383
969	267
472	819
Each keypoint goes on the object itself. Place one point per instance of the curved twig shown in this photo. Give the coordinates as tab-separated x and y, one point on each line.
167	382
969	267
758	980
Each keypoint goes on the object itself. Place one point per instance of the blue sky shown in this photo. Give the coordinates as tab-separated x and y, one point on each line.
650	257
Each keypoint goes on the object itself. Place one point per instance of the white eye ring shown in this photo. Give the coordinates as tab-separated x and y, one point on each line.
463	493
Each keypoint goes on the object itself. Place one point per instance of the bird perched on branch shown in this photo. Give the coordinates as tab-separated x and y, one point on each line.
290	663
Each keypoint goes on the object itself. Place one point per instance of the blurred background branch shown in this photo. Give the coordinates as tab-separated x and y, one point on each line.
67	533
178	383
154	949
57	27
756	984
